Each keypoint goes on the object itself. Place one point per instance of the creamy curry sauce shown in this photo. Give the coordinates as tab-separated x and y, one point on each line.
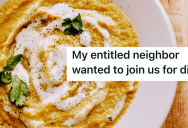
33	28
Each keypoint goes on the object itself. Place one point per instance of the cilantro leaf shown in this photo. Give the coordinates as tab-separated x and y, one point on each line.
6	77
66	22
19	89
18	92
74	26
12	62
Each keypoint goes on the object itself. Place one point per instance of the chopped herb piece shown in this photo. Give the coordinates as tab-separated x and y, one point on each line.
74	26
6	77
110	118
12	62
18	92
28	61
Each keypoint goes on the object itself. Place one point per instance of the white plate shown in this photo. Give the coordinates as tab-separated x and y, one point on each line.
153	99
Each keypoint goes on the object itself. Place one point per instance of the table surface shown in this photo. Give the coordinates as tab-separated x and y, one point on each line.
177	11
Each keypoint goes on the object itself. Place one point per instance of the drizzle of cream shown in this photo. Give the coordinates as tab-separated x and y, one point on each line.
83	112
60	8
81	94
103	31
72	101
32	123
85	39
57	93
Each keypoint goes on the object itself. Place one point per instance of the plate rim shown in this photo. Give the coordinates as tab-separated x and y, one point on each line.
174	43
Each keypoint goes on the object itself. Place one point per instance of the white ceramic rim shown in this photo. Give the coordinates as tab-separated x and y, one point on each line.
174	43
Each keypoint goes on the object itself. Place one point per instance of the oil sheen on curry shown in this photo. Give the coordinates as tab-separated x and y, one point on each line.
41	32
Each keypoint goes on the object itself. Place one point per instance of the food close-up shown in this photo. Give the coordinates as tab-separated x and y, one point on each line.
34	91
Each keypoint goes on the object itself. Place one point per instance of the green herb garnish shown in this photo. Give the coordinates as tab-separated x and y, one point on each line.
74	26
12	62
19	89
6	77
28	61
18	92
110	118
